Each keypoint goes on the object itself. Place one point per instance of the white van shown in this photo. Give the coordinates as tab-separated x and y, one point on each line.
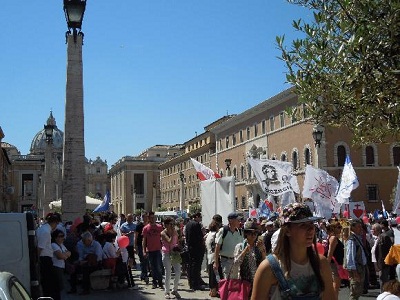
18	252
161	215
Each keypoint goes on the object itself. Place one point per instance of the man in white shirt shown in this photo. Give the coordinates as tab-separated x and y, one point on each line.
43	236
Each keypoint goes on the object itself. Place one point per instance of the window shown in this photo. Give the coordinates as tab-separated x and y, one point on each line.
282	119
243	202
272	123
227	142
220	144
307	156
235	173
283	157
372	193
233	140
263	130
242	172
241	136
294	160
369	156
341	155
396	155
255	130
248	133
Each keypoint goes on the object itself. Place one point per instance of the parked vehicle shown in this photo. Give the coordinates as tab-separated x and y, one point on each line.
18	251
11	288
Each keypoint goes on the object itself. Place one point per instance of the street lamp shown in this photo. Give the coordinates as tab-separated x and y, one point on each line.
317	134
73	174
228	162
48	186
181	205
74	11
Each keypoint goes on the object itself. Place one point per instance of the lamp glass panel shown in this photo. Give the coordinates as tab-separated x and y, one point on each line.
75	13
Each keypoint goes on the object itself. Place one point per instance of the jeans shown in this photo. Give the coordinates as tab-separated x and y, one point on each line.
357	287
156	265
166	259
144	263
194	271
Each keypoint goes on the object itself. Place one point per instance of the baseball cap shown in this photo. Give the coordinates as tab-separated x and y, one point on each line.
233	215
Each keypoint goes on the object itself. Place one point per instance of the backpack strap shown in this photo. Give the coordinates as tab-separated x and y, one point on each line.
276	269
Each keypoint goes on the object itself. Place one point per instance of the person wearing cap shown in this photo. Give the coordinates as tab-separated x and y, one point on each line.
267	237
248	254
226	240
295	261
356	259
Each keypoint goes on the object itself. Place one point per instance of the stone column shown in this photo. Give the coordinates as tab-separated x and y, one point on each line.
73	175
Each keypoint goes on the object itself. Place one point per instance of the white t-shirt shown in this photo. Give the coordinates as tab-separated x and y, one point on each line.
109	250
60	263
387	296
43	236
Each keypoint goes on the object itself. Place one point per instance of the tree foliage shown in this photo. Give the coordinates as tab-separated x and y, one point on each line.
346	69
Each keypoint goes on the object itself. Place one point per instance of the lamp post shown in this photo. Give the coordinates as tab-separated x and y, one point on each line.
154	201
228	162
317	134
181	204
73	174
48	185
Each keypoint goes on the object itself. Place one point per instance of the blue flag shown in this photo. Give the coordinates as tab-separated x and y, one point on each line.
105	205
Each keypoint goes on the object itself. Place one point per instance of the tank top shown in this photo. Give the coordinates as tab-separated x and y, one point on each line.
302	281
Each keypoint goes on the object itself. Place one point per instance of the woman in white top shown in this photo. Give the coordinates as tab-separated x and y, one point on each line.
391	291
60	254
210	249
304	271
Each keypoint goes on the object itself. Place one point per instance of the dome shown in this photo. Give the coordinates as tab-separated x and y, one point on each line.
39	142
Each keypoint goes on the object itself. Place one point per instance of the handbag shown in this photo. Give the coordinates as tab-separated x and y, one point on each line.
343	273
237	289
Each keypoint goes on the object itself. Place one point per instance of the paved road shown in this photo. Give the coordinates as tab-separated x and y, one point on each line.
145	292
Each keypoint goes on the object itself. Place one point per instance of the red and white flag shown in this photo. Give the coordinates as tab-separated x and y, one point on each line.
204	172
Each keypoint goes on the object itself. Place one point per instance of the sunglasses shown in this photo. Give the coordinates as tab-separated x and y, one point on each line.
252	233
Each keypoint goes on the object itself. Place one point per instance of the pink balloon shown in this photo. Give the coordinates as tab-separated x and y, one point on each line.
123	241
398	220
346	214
365	220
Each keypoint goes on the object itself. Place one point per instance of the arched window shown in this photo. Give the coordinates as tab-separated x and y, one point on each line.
235	172
341	155
242	172
369	156
307	156
283	157
294	160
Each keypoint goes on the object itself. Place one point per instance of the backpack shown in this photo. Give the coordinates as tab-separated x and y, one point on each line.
225	232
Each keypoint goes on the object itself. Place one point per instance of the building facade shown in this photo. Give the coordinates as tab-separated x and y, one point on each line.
135	180
27	173
267	131
180	187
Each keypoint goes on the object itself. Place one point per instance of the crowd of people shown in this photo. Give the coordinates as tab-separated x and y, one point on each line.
289	255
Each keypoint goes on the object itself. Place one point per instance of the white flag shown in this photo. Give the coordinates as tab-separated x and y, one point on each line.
321	188
204	172
348	182
274	176
396	202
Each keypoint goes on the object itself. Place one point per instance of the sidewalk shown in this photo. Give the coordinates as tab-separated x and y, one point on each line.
145	292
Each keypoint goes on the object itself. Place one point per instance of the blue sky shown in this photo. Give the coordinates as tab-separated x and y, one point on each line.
155	71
